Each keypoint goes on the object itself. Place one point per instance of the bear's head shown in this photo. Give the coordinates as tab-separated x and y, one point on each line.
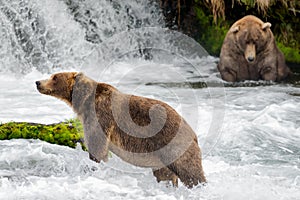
59	85
251	36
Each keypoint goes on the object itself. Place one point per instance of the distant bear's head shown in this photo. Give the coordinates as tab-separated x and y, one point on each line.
251	36
59	85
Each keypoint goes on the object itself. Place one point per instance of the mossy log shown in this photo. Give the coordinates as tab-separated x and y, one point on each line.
67	133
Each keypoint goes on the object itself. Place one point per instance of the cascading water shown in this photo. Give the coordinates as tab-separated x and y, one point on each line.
249	136
61	34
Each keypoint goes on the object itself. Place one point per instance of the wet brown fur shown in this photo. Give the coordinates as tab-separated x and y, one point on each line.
250	37
172	152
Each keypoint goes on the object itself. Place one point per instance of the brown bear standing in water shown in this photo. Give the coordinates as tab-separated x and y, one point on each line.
142	131
249	52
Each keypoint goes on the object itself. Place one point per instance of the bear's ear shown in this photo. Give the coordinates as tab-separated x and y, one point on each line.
78	75
266	25
235	29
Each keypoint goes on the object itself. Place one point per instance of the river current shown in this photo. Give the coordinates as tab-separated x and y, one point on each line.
249	133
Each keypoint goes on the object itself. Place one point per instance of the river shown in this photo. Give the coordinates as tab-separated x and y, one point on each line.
249	133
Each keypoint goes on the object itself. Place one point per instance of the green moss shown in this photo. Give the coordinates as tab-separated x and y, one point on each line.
211	35
3	135
291	54
67	133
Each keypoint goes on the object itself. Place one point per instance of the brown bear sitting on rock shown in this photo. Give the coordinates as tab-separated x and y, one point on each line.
142	131
249	52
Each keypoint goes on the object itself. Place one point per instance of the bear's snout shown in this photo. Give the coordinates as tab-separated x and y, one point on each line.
38	83
40	86
250	52
250	58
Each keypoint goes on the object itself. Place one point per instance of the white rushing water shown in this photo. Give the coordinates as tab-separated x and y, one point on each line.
250	136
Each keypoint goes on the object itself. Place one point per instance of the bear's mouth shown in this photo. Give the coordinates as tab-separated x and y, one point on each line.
41	89
44	91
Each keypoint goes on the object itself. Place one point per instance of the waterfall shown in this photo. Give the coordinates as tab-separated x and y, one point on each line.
59	34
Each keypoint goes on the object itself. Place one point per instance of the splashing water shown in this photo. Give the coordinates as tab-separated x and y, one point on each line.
51	35
59	34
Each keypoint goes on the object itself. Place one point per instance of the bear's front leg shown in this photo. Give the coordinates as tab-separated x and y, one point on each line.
105	158
227	69
228	74
97	142
268	73
98	149
93	158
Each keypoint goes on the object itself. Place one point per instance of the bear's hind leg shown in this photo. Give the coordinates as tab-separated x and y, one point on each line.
165	174
189	171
